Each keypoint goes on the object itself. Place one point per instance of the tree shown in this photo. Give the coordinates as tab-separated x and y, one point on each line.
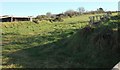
48	14
41	17
100	10
81	10
70	13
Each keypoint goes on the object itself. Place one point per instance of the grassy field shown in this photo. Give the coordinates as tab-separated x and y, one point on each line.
59	44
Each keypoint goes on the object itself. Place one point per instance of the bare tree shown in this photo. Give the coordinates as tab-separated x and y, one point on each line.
81	10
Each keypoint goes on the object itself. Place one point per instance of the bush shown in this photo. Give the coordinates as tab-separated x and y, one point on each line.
105	38
58	19
36	21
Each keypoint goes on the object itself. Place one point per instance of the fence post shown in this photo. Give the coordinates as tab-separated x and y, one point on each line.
97	18
100	17
93	19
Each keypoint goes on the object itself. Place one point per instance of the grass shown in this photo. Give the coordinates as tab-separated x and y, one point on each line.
59	44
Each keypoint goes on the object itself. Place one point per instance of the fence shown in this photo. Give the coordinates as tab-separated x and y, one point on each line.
96	20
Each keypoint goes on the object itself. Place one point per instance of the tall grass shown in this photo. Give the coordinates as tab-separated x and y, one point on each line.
68	44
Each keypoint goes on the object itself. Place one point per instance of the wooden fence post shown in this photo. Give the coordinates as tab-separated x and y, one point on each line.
93	19
100	17
97	18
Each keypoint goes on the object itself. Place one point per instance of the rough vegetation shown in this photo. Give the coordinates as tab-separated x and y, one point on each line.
68	44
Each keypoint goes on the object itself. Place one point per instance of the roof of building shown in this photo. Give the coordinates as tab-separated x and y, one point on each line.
7	16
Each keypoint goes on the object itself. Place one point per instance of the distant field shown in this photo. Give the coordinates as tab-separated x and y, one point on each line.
27	44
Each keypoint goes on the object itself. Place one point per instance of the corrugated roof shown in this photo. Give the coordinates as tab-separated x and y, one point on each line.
13	17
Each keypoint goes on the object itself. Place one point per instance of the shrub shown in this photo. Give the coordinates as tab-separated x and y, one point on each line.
105	39
36	21
58	19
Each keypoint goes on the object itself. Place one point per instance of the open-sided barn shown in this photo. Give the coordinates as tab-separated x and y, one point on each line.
11	19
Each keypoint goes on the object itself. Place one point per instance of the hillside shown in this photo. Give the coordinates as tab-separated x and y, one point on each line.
69	44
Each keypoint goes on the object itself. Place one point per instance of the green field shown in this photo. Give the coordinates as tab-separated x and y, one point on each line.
64	44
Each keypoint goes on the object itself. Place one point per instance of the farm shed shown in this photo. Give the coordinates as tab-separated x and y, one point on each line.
11	19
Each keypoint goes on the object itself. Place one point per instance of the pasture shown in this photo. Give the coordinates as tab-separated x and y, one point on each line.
55	45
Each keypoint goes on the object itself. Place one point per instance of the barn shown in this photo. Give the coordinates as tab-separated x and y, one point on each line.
12	19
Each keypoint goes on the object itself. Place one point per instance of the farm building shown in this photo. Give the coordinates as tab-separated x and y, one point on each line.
12	19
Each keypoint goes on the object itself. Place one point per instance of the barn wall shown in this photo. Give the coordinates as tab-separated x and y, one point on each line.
21	19
11	19
6	19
